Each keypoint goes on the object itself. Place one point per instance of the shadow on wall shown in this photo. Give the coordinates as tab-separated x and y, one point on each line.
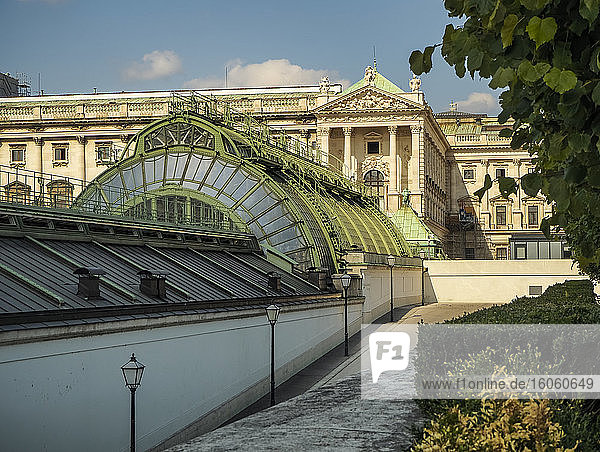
429	295
466	239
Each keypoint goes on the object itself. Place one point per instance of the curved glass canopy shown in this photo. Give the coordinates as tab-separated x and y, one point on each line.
188	169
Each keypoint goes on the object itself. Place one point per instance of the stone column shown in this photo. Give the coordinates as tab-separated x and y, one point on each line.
82	141
393	160
324	154
348	150
416	170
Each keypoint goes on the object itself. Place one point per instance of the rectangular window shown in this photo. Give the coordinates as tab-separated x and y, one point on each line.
531	169
104	152
17	154
521	251
500	172
469	253
469	174
60	152
501	253
501	215
373	147
532	216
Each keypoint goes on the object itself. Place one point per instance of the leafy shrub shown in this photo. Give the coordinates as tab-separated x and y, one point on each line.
502	425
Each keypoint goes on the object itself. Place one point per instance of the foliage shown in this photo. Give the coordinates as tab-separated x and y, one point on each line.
498	425
546	54
571	302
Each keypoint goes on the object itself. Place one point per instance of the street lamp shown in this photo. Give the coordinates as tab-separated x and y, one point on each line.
273	315
346	280
391	260
132	372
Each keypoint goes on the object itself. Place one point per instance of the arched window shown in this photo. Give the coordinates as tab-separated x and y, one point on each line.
375	181
60	194
17	192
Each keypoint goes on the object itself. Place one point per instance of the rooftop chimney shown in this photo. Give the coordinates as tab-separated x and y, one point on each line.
274	281
89	281
153	283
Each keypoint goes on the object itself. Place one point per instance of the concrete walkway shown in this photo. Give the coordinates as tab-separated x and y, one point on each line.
320	408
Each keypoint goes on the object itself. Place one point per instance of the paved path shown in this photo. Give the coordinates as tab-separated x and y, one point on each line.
329	413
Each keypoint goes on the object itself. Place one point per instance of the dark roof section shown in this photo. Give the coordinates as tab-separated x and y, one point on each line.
39	275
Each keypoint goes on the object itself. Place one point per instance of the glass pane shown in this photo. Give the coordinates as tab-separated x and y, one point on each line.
544	250
532	252
555	250
214	173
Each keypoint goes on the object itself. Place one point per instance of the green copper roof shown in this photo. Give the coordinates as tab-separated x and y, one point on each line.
380	82
412	227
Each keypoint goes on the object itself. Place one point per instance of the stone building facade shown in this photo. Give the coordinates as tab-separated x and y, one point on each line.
374	132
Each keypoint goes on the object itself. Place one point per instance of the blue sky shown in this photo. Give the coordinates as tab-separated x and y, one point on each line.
133	45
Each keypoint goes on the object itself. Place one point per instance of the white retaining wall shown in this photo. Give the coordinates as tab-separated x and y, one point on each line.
69	394
492	281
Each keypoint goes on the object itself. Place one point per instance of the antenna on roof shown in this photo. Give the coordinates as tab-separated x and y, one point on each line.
374	59
225	76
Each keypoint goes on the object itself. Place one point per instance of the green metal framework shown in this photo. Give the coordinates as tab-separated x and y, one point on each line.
204	161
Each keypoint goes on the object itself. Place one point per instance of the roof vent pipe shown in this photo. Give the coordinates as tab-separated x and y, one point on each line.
274	281
153	283
89	281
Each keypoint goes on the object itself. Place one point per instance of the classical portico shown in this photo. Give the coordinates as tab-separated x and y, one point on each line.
383	135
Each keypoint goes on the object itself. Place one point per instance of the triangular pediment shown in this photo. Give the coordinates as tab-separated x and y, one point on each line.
368	98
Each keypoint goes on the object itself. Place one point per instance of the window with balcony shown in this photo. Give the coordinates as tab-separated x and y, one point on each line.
375	181
60	194
500	215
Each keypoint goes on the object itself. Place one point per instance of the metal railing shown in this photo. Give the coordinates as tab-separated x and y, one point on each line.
270	143
34	188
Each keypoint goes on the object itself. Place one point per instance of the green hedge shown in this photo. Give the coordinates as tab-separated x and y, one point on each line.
572	302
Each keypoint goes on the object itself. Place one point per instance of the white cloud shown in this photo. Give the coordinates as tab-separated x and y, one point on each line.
268	73
479	103
154	65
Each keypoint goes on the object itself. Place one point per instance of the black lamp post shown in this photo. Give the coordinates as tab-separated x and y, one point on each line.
273	315
346	280
132	372
391	261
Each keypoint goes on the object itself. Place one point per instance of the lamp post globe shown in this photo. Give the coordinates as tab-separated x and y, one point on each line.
391	260
272	312
346	279
132	373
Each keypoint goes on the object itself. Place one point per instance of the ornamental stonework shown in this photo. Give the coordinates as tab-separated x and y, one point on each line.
370	100
376	162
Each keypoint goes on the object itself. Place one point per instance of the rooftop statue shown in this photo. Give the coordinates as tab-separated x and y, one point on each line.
369	75
415	83
324	84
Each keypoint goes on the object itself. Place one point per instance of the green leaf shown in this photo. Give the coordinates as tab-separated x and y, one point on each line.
427	58
575	173
593	176
507	186
559	192
588	9
596	94
506	133
530	73
503	77
487	184
533	5
541	30
531	183
416	62
475	58
508	28
562	57
545	227
560	81
579	142
459	68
